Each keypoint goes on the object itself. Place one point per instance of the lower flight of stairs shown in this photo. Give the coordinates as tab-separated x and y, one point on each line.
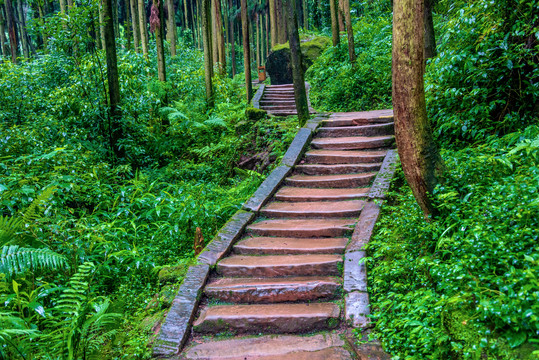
279	100
278	295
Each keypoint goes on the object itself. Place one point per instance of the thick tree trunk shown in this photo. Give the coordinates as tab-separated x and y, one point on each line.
305	14
102	24
300	92
430	38
246	49
22	30
232	42
273	22
115	129
12	31
220	38
341	16
4	48
281	23
418	153
135	23
185	15
207	40
171	27
349	32
334	22
142	27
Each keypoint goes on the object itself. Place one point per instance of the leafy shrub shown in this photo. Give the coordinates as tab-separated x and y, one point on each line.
336	85
463	285
484	80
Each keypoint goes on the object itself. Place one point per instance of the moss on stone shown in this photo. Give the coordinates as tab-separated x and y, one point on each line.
172	274
253	114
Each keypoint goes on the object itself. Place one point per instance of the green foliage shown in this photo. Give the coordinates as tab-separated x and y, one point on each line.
337	85
465	284
484	80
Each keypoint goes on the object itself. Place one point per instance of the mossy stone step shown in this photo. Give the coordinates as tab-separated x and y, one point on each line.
353	142
289	245
361	130
344	156
332	169
303	228
335	181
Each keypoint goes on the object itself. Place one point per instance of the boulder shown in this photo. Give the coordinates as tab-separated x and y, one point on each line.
278	65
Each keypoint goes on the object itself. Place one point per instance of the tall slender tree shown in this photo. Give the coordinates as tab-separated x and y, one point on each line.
22	27
349	31
171	27
220	38
115	129
142	27
334	22
246	49
300	93
135	24
12	31
208	62
157	24
273	21
430	38
4	48
419	154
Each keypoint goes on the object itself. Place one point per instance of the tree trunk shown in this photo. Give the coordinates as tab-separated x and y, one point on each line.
185	14
268	43
127	28
135	23
42	24
158	24
300	92
115	129
340	14
232	42
142	27
219	38
207	40
114	13
430	38
419	155
334	22
4	48
273	21
12	31
22	30
257	35
349	31
171	27
102	24
305	14
246	49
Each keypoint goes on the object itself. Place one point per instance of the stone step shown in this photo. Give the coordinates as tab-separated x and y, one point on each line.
306	194
279	90
303	228
344	156
355	121
273	290
325	346
281	86
280	265
332	169
334	181
346	208
353	142
268	97
268	318
364	130
289	245
278	102
291	107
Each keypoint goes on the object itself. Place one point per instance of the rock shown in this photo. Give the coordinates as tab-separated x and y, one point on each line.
254	114
278	64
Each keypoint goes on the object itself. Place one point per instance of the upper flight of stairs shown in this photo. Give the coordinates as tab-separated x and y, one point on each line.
284	276
279	100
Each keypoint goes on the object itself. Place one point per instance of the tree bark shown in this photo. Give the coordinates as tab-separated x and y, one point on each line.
334	22
158	26
220	38
281	23
22	30
273	22
12	31
419	155
340	14
135	24
206	39
102	24
4	48
430	38
127	27
142	27
171	27
232	41
349	32
305	14
300	92
246	50
115	129
185	14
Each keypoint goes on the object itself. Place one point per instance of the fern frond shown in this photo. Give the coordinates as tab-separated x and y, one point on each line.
12	326
31	213
16	260
9	226
216	121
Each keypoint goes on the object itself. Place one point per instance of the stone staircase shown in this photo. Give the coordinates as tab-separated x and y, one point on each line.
279	294
279	100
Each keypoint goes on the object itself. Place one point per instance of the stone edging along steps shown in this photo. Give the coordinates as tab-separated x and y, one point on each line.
281	264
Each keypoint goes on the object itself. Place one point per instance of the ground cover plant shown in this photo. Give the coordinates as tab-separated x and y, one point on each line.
92	246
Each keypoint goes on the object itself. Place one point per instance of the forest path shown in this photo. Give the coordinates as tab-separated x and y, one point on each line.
292	287
279	100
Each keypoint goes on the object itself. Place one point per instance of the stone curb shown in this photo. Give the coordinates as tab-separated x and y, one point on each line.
258	96
220	245
266	190
356	300
383	178
297	147
176	328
